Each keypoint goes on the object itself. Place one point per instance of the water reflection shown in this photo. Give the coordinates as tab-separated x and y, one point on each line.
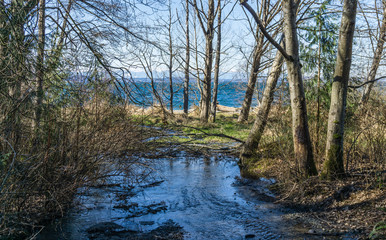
196	192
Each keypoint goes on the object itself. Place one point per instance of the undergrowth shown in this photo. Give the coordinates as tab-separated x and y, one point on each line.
39	178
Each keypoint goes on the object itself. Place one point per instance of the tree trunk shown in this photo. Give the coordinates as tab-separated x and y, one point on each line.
318	93
217	64
245	108
40	63
206	93
251	145
196	56
18	71
376	59
170	62
266	10
159	98
3	36
333	165
300	132
187	62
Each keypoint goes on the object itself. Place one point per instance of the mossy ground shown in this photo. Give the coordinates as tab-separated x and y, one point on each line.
191	127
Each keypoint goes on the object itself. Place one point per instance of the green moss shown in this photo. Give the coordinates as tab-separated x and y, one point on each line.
256	167
337	136
333	166
226	125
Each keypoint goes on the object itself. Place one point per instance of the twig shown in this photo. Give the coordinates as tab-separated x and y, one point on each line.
358	86
34	236
264	31
11	165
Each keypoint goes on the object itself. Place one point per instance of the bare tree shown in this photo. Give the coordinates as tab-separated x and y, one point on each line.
187	60
209	34
333	165
3	34
252	143
171	56
300	132
376	58
217	63
40	62
267	12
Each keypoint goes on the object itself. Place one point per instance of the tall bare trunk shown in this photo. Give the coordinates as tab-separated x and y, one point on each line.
40	63
318	93
246	106
196	56
300	131
187	61
333	165
251	145
18	71
206	87
376	59
266	11
207	82
3	35
170	67
217	64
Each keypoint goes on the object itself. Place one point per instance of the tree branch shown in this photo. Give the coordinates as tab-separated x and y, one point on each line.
264	31
358	86
199	16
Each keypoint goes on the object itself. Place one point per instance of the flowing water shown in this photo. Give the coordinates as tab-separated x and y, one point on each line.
202	194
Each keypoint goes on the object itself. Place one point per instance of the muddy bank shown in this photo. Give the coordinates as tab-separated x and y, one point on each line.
349	207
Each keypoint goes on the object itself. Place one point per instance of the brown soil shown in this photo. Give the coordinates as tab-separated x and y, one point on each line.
349	207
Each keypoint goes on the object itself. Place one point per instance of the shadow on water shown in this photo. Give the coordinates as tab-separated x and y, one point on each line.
185	197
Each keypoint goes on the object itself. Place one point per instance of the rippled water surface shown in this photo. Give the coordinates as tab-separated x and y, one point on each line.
204	195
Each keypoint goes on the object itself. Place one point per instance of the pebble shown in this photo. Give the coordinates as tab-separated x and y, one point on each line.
146	222
250	235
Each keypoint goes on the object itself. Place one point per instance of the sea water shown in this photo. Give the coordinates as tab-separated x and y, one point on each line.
231	93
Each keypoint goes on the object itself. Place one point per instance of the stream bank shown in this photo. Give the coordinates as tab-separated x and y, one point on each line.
184	196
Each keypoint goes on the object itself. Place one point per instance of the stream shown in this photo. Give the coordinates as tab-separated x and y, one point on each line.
184	196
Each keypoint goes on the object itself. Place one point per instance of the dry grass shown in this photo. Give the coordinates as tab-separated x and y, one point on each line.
355	203
38	182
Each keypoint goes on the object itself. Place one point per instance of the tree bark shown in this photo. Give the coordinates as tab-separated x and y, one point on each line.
318	93
333	165
267	11
187	62
208	31
170	66
40	63
217	64
246	106
376	60
17	69
251	145
3	36
300	132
